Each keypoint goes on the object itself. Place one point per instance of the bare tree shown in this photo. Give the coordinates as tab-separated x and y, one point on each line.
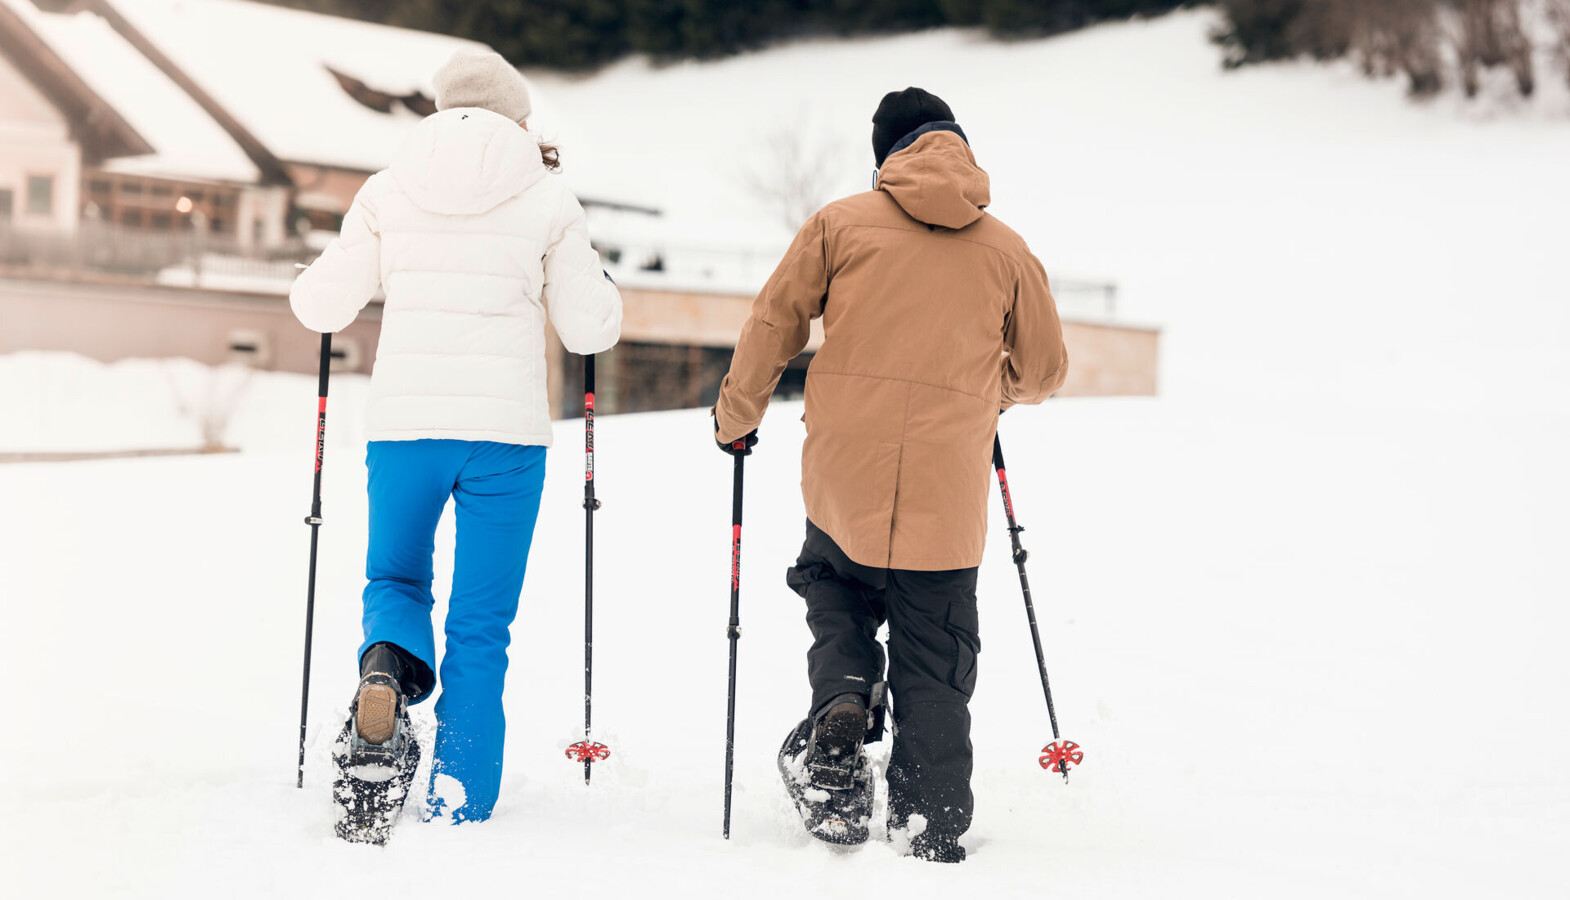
1324	29
1487	34
1414	38
1558	13
1399	36
209	395
795	173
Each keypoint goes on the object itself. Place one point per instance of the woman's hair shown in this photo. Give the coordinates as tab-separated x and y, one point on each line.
551	156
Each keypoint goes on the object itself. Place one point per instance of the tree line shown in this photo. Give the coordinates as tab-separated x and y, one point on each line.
584	34
1431	43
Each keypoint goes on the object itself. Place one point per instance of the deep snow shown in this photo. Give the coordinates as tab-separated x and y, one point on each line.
1305	611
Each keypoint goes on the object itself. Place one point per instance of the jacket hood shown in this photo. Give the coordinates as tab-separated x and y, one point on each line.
467	161
935	178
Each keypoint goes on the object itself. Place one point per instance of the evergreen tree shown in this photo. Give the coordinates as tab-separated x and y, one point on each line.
961	12
581	34
1259	30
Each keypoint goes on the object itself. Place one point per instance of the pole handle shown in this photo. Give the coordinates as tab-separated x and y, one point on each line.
325	365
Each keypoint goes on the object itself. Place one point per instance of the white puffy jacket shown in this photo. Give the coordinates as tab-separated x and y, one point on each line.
472	243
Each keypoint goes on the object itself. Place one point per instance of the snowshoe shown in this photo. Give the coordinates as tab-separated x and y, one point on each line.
827	774
374	776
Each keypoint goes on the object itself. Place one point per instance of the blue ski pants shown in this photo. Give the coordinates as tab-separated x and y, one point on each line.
495	490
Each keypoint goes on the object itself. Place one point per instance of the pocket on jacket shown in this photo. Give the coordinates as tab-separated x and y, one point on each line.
964	625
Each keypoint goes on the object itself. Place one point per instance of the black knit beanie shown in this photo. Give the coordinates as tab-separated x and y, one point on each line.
902	112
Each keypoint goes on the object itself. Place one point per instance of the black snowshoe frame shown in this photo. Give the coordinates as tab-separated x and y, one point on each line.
832	815
373	780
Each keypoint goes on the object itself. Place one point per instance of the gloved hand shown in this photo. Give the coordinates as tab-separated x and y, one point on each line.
742	446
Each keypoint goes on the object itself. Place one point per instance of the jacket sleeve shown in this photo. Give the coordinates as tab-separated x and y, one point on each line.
1035	362
580	298
328	295
776	331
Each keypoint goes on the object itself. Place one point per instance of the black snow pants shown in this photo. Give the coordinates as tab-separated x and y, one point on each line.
932	647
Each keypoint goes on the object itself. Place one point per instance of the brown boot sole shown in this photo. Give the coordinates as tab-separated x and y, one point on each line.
378	713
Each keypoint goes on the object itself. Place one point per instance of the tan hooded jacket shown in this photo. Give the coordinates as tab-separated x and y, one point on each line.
935	317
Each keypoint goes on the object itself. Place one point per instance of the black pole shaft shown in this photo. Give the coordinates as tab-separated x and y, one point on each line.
733	632
1024	582
590	504
315	521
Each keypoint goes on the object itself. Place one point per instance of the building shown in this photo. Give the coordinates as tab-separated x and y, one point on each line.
336	98
158	188
51	123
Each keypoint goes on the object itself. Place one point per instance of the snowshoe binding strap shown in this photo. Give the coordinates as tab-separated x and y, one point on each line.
875	710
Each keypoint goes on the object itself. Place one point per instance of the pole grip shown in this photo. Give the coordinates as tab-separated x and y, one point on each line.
326	364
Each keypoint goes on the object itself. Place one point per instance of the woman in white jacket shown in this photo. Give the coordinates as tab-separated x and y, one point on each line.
474	245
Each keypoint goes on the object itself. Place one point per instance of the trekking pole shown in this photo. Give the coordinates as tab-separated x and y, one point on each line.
1059	754
315	521
734	630
586	751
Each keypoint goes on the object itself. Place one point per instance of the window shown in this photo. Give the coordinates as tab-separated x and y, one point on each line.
322	220
5	204
40	195
666	376
160	221
100	186
223	201
131	217
218	226
130	187
162	189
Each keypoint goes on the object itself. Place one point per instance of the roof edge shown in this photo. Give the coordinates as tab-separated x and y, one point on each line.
272	170
103	132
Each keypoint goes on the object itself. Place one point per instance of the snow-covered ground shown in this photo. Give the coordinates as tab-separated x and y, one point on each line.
1305	611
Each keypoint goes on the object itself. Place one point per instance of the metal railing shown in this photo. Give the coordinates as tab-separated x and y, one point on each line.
219	262
108	249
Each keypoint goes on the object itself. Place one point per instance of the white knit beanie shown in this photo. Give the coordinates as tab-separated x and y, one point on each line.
481	78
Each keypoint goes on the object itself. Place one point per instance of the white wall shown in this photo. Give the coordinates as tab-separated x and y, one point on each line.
35	140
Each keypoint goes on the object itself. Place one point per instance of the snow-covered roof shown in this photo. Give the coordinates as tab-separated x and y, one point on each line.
188	143
272	69
99	128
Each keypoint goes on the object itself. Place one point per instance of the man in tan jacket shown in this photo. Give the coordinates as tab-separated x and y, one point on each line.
936	317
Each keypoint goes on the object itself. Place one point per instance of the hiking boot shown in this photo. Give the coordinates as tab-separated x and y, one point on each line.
376	709
937	848
384	676
835	748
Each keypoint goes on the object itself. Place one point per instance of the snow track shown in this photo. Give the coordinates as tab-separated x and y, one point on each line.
1305	612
